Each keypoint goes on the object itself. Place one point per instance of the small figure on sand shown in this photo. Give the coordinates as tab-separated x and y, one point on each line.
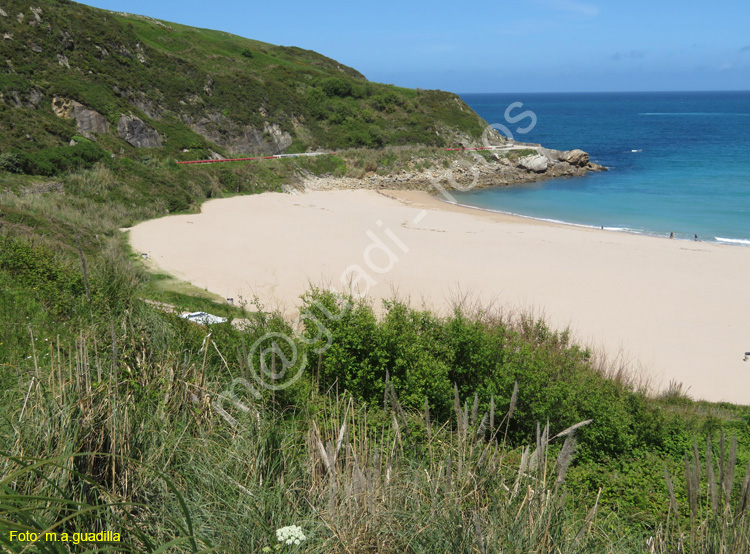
696	237
671	235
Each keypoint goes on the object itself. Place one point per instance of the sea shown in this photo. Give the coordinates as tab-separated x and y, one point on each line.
679	162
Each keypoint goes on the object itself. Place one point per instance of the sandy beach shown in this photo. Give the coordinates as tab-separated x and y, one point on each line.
675	310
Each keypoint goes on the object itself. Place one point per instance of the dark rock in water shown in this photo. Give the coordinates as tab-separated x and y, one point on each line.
136	133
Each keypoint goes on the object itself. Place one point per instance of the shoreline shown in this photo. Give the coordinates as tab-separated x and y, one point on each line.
721	241
673	309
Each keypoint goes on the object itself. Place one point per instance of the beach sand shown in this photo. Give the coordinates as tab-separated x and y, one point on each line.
675	310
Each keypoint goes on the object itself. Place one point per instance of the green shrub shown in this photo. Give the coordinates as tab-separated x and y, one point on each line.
57	160
336	86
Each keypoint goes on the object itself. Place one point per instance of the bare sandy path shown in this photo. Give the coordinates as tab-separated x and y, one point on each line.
679	309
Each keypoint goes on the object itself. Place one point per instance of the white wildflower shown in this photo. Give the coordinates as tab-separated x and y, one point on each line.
290	535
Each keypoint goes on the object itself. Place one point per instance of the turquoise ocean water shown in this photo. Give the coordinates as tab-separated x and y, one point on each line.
679	162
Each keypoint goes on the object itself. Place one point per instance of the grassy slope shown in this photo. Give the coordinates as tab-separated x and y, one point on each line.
185	72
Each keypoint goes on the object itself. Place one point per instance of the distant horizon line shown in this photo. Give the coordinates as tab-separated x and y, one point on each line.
611	92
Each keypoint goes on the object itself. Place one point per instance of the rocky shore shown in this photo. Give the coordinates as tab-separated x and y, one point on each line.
489	169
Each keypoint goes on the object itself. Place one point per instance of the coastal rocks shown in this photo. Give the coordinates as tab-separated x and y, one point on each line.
534	162
463	174
136	133
2	13
89	122
576	157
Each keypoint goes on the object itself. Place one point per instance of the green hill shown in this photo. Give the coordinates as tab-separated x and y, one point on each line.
131	82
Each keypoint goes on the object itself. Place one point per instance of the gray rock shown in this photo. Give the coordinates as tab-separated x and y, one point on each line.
19	18
281	139
15	99
62	60
66	42
136	133
35	96
552	156
208	88
89	122
36	48
576	157
241	139
534	162
2	13
139	53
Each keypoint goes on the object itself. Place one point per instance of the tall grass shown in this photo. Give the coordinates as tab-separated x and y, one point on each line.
93	418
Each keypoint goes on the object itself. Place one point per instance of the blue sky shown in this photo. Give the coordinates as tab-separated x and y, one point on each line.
502	46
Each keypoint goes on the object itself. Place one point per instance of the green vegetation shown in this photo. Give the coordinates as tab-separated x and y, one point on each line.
132	388
408	432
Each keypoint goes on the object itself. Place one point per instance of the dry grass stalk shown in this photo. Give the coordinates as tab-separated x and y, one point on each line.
670	490
457	408
492	414
728	480
475	410
692	484
565	457
427	424
589	518
744	502
711	485
513	400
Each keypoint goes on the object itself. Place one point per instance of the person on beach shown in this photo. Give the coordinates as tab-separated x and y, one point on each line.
671	235
696	237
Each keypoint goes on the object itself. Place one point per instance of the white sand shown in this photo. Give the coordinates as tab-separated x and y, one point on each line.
679	310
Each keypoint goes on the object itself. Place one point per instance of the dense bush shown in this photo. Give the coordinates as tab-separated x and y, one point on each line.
58	287
55	160
426	356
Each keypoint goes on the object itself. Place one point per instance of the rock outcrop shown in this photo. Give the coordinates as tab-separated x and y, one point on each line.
576	157
534	162
461	175
136	133
241	139
89	122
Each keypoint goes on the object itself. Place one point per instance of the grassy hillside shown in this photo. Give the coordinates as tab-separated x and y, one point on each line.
201	91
